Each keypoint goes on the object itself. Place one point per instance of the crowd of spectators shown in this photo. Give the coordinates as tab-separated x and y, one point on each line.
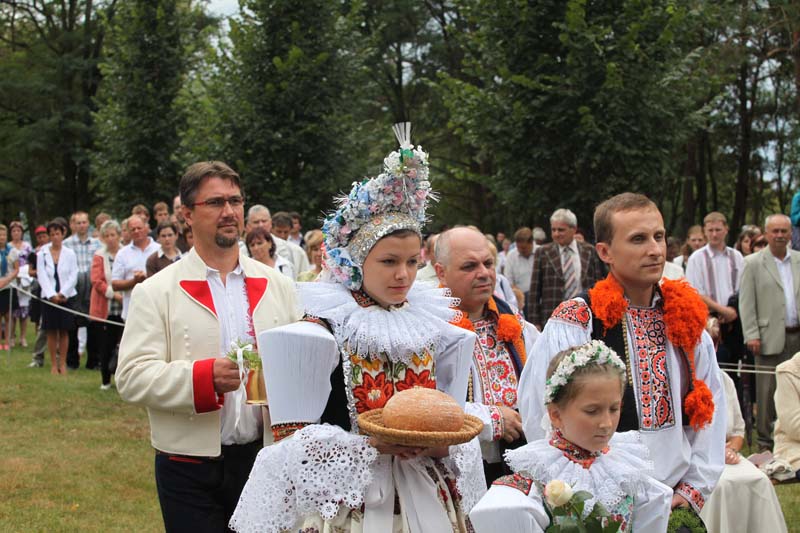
73	285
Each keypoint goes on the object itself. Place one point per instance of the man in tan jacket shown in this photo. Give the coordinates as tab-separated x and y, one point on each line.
180	325
768	306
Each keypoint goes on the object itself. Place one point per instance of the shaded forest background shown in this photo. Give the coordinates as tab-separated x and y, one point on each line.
524	106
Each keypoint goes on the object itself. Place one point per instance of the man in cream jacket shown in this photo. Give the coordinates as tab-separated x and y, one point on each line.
172	357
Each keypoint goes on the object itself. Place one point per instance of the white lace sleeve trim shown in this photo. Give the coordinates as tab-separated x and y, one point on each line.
399	332
624	470
466	462
313	472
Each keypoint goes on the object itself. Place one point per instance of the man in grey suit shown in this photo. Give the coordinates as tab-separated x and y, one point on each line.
768	306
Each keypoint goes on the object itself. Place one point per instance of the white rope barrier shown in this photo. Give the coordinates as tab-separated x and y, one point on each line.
744	371
68	310
746	368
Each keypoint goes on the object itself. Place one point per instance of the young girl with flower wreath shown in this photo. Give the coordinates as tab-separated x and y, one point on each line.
673	396
369	332
583	396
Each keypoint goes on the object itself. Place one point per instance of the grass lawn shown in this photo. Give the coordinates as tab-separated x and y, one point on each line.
75	458
72	457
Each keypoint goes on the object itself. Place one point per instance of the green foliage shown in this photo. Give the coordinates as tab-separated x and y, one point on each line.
572	102
523	106
281	103
249	356
139	119
568	518
683	520
48	77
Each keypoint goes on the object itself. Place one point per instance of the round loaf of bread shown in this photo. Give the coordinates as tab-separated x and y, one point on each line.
422	409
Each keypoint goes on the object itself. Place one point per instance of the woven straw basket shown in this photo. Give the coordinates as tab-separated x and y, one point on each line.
371	423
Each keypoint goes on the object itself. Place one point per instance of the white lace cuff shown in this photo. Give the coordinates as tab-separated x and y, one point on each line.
466	462
315	471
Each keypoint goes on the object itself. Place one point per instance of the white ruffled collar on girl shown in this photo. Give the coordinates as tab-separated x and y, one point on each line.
624	470
398	332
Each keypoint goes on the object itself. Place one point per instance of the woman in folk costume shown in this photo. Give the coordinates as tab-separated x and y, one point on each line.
369	332
583	398
674	397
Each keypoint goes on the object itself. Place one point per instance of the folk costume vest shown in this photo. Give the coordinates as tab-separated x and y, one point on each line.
685	316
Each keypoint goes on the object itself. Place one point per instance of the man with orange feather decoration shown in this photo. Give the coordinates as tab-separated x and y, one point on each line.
674	397
465	265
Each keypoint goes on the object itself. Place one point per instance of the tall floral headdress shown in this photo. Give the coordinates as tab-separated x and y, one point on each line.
394	200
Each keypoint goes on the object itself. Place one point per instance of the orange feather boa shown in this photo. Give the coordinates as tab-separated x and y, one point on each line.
685	316
508	328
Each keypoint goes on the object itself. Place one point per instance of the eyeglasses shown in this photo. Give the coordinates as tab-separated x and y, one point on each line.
219	202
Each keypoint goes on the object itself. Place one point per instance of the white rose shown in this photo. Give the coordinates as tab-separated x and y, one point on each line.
557	493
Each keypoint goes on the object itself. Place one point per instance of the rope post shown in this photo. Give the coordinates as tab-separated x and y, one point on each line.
9	321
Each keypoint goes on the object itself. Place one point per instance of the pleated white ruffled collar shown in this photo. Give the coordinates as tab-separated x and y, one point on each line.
398	332
623	470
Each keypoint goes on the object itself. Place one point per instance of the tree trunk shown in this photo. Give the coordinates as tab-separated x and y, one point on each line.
689	200
796	56
743	156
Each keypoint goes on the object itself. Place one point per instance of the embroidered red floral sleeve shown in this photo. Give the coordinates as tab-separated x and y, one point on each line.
497	422
286	429
574	312
691	494
515	481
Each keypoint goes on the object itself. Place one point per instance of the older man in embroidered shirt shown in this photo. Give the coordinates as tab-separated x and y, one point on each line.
768	303
465	265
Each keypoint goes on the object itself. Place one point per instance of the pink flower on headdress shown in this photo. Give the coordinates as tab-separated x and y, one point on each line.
373	208
398	199
346	230
411	173
420	194
387	188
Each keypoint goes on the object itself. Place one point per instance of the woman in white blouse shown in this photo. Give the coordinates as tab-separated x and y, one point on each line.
57	272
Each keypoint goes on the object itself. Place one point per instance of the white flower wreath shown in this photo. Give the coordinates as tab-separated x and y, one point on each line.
592	352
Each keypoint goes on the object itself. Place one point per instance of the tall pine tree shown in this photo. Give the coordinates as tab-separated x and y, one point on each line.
282	103
138	120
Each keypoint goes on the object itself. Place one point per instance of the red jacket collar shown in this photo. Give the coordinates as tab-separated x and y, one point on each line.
200	292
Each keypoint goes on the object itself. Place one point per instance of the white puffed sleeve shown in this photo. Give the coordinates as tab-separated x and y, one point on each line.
298	362
454	361
510	510
708	444
651	507
569	326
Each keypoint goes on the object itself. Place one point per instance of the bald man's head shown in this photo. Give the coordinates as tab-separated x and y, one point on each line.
465	265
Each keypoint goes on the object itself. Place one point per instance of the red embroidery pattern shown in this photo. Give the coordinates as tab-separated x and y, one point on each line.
316	320
363	299
373	393
497	423
251	330
652	376
573	312
374	380
412	379
691	494
573	452
287	429
494	365
515	481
